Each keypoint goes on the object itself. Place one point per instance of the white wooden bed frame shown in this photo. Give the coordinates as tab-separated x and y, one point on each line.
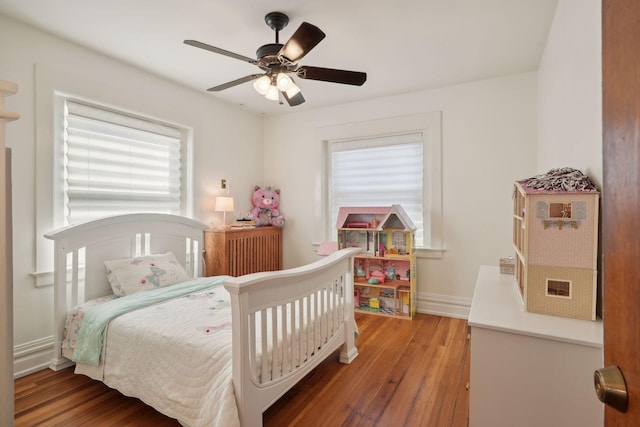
326	287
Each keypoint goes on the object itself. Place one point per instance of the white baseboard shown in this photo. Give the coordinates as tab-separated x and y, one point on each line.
32	356
443	305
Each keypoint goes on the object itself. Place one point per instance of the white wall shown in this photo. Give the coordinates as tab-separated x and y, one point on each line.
488	141
570	90
227	144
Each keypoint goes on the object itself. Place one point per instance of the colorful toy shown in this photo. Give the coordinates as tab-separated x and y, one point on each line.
266	201
385	235
378	275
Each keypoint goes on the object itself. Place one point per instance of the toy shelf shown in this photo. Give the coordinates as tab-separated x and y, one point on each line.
385	299
387	257
393	294
385	270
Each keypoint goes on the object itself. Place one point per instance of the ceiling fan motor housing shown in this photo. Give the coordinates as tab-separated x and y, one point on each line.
268	53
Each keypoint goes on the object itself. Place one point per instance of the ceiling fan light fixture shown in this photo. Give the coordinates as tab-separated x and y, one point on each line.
262	85
284	82
272	93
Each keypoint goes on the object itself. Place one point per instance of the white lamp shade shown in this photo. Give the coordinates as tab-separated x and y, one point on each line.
262	85
224	204
272	93
284	82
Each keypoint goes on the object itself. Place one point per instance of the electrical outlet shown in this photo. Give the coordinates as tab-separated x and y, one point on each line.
223	184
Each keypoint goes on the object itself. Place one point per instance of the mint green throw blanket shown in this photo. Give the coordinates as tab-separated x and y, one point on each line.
91	334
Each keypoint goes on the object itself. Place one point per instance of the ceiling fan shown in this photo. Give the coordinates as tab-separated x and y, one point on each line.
278	61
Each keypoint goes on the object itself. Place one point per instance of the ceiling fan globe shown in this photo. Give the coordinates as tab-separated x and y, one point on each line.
262	85
284	82
272	93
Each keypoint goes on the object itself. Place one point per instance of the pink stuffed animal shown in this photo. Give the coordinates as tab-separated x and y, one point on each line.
265	212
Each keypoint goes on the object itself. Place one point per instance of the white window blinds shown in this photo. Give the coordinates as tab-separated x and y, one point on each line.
379	172
115	164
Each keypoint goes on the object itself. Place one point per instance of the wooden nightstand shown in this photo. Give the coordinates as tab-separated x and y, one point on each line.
239	251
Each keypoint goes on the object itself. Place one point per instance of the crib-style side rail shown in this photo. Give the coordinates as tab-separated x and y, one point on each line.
286	337
285	323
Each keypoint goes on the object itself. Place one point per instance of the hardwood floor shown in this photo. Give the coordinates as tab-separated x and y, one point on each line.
408	373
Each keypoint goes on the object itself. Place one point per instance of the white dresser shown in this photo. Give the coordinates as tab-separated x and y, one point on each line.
529	369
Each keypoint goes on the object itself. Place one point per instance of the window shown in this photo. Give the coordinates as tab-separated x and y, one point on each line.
112	104
115	163
379	172
395	160
559	288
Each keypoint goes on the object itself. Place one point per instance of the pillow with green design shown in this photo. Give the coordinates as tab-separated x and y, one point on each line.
131	275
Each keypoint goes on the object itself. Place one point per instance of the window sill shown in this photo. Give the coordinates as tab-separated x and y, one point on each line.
429	253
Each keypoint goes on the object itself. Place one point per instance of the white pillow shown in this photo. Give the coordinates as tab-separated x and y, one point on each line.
128	276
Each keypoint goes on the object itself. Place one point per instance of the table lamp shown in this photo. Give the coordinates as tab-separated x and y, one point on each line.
224	205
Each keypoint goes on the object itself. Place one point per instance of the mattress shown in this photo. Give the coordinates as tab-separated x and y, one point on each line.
176	355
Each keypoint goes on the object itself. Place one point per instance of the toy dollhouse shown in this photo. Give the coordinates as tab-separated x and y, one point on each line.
385	273
555	235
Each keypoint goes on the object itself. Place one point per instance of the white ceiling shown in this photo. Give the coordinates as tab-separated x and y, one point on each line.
402	45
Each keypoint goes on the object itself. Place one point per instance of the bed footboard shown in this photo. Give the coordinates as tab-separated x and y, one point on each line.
285	324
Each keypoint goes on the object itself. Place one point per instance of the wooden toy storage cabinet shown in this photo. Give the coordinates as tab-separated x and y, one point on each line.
385	270
555	235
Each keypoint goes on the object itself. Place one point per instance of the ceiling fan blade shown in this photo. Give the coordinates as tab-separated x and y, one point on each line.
296	99
346	77
305	38
234	82
214	49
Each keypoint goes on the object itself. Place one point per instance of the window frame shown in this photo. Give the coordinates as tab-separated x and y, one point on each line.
51	82
414	141
429	124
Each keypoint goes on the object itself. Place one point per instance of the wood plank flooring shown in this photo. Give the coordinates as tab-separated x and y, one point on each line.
408	373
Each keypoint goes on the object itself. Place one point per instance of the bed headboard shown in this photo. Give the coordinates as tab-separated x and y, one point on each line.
80	252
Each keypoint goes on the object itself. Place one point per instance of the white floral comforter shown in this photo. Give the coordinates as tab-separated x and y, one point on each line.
176	357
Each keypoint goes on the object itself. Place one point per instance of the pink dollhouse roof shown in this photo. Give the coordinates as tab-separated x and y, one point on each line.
343	213
401	215
381	213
